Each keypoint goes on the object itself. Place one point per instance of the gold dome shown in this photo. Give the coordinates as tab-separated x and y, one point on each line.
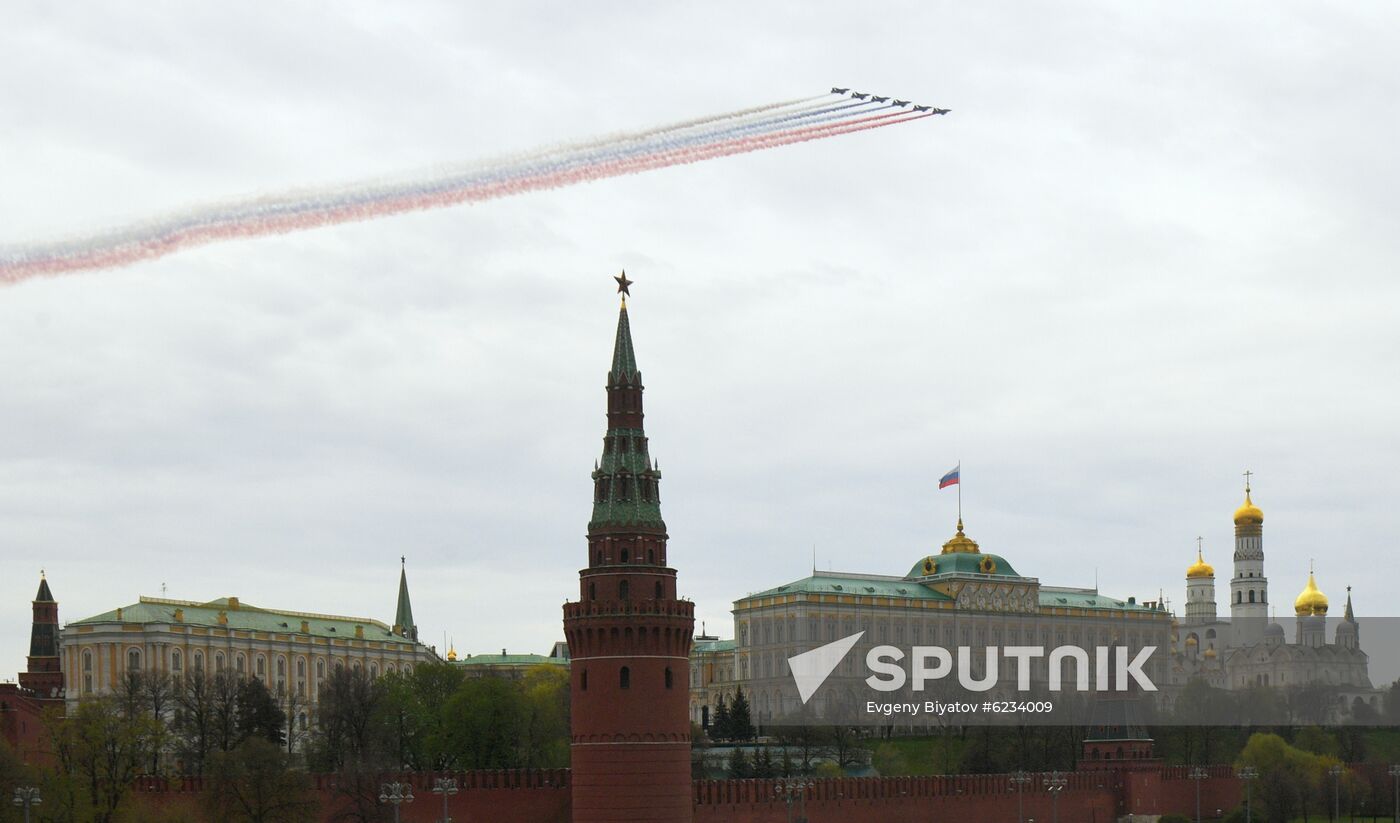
1248	514
452	654
1312	601
961	543
1191	640
1210	653
1200	568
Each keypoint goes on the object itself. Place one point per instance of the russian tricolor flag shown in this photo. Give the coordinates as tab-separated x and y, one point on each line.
951	478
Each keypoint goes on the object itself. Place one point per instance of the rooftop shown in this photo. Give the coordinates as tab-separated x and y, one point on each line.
243	616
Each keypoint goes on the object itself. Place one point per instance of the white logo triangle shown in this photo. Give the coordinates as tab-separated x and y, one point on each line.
811	669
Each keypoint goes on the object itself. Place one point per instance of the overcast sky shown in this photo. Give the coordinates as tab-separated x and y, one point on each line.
1153	246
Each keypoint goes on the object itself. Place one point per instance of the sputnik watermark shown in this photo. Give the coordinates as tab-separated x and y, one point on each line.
1112	668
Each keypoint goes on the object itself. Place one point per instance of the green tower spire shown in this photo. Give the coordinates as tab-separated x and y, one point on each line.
403	616
626	484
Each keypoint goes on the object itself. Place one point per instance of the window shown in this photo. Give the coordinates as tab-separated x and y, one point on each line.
281	666
622	588
658	590
175	660
625	678
320	669
87	672
668	677
625	555
219	662
199	662
592	591
583	681
262	667
1251	595
301	667
240	663
373	670
133	660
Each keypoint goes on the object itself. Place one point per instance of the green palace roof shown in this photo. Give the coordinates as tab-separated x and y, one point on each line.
702	646
899	587
244	617
510	660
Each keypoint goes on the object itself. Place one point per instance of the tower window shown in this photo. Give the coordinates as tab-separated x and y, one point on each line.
624	678
668	677
583	681
651	555
625	556
623	590
1251	595
658	590
592	591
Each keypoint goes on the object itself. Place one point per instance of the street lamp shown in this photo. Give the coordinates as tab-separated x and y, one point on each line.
396	794
445	786
1198	774
27	797
794	790
1248	774
1019	780
1055	782
1336	772
1395	776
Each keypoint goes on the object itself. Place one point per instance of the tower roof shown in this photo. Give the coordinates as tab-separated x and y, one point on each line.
403	615
624	362
44	595
1311	601
1249	514
1200	568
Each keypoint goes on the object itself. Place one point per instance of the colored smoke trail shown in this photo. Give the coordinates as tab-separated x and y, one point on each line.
689	141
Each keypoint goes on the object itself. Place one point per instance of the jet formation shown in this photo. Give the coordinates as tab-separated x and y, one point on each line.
859	95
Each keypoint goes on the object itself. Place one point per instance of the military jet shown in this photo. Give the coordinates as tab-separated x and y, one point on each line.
899	102
922	108
878	99
855	95
835	90
940	111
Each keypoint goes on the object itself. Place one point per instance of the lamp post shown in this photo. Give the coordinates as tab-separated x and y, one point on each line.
1336	772
1395	777
27	797
1055	782
1198	774
794	790
396	794
1248	774
445	786
1019	780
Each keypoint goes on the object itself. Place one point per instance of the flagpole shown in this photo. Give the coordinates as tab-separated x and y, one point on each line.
959	491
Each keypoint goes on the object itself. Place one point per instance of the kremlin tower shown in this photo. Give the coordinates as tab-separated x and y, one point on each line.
629	635
1200	591
42	674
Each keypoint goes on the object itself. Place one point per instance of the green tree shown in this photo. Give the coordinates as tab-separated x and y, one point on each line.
739	767
544	738
740	724
99	751
254	783
485	715
721	726
259	714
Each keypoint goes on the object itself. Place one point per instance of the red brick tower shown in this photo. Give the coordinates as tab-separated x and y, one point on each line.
43	676
629	636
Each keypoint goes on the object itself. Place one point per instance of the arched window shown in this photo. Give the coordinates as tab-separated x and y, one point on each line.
651	555
301	667
592	591
301	721
583	681
133	660
668	677
1251	595
320	669
658	590
240	663
87	671
1239	597
622	589
625	556
176	661
625	678
199	662
262	667
219	662
373	670
281	666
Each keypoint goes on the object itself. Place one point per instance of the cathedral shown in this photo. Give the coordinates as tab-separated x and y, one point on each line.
1249	648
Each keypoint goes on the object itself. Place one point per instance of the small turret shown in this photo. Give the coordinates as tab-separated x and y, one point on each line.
403	615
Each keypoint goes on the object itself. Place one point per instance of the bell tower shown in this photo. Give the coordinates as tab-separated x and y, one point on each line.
1249	588
629	635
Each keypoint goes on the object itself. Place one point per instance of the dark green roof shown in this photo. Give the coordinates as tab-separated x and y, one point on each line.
245	618
510	660
857	584
624	362
712	646
962	563
403	615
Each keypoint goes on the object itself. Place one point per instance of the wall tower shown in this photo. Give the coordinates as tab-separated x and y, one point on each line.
43	675
629	635
1249	588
